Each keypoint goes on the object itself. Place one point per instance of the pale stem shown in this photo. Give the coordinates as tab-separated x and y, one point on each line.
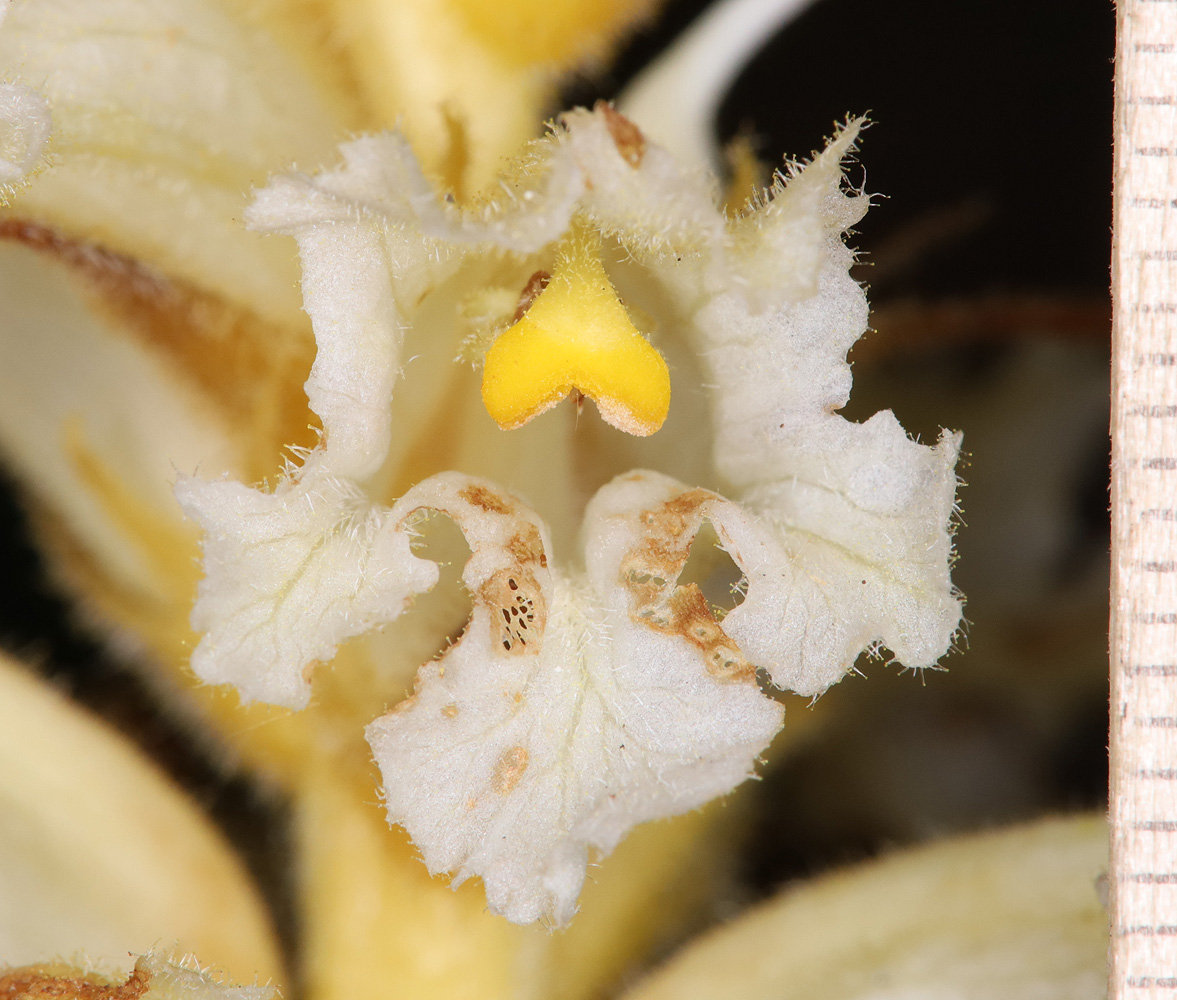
676	99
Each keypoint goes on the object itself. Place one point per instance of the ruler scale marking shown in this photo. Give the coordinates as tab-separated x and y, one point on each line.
1143	809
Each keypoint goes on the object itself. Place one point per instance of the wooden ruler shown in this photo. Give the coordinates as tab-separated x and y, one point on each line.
1143	876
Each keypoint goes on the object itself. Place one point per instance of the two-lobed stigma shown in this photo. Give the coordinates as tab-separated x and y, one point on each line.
576	335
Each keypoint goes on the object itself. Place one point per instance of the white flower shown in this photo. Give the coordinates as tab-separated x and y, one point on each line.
576	705
585	697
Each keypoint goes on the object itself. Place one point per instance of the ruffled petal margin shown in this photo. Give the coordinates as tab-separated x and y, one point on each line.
290	574
573	707
577	704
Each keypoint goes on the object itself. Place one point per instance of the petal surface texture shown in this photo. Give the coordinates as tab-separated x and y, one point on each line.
846	534
290	575
570	710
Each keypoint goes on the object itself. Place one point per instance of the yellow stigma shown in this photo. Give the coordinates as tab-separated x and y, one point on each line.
576	334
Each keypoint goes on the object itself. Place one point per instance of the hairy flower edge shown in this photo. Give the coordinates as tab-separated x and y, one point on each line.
532	740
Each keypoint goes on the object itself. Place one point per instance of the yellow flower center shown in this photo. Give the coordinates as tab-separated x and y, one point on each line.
576	335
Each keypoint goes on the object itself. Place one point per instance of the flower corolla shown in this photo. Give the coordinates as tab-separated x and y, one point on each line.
584	695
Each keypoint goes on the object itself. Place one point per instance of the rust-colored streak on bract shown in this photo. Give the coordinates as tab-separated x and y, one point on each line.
649	571
32	981
251	371
627	137
508	770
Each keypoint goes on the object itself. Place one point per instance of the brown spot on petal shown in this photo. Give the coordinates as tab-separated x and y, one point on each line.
518	611
511	597
309	670
691	618
450	711
526	546
648	569
508	770
627	137
484	499
34	981
648	572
